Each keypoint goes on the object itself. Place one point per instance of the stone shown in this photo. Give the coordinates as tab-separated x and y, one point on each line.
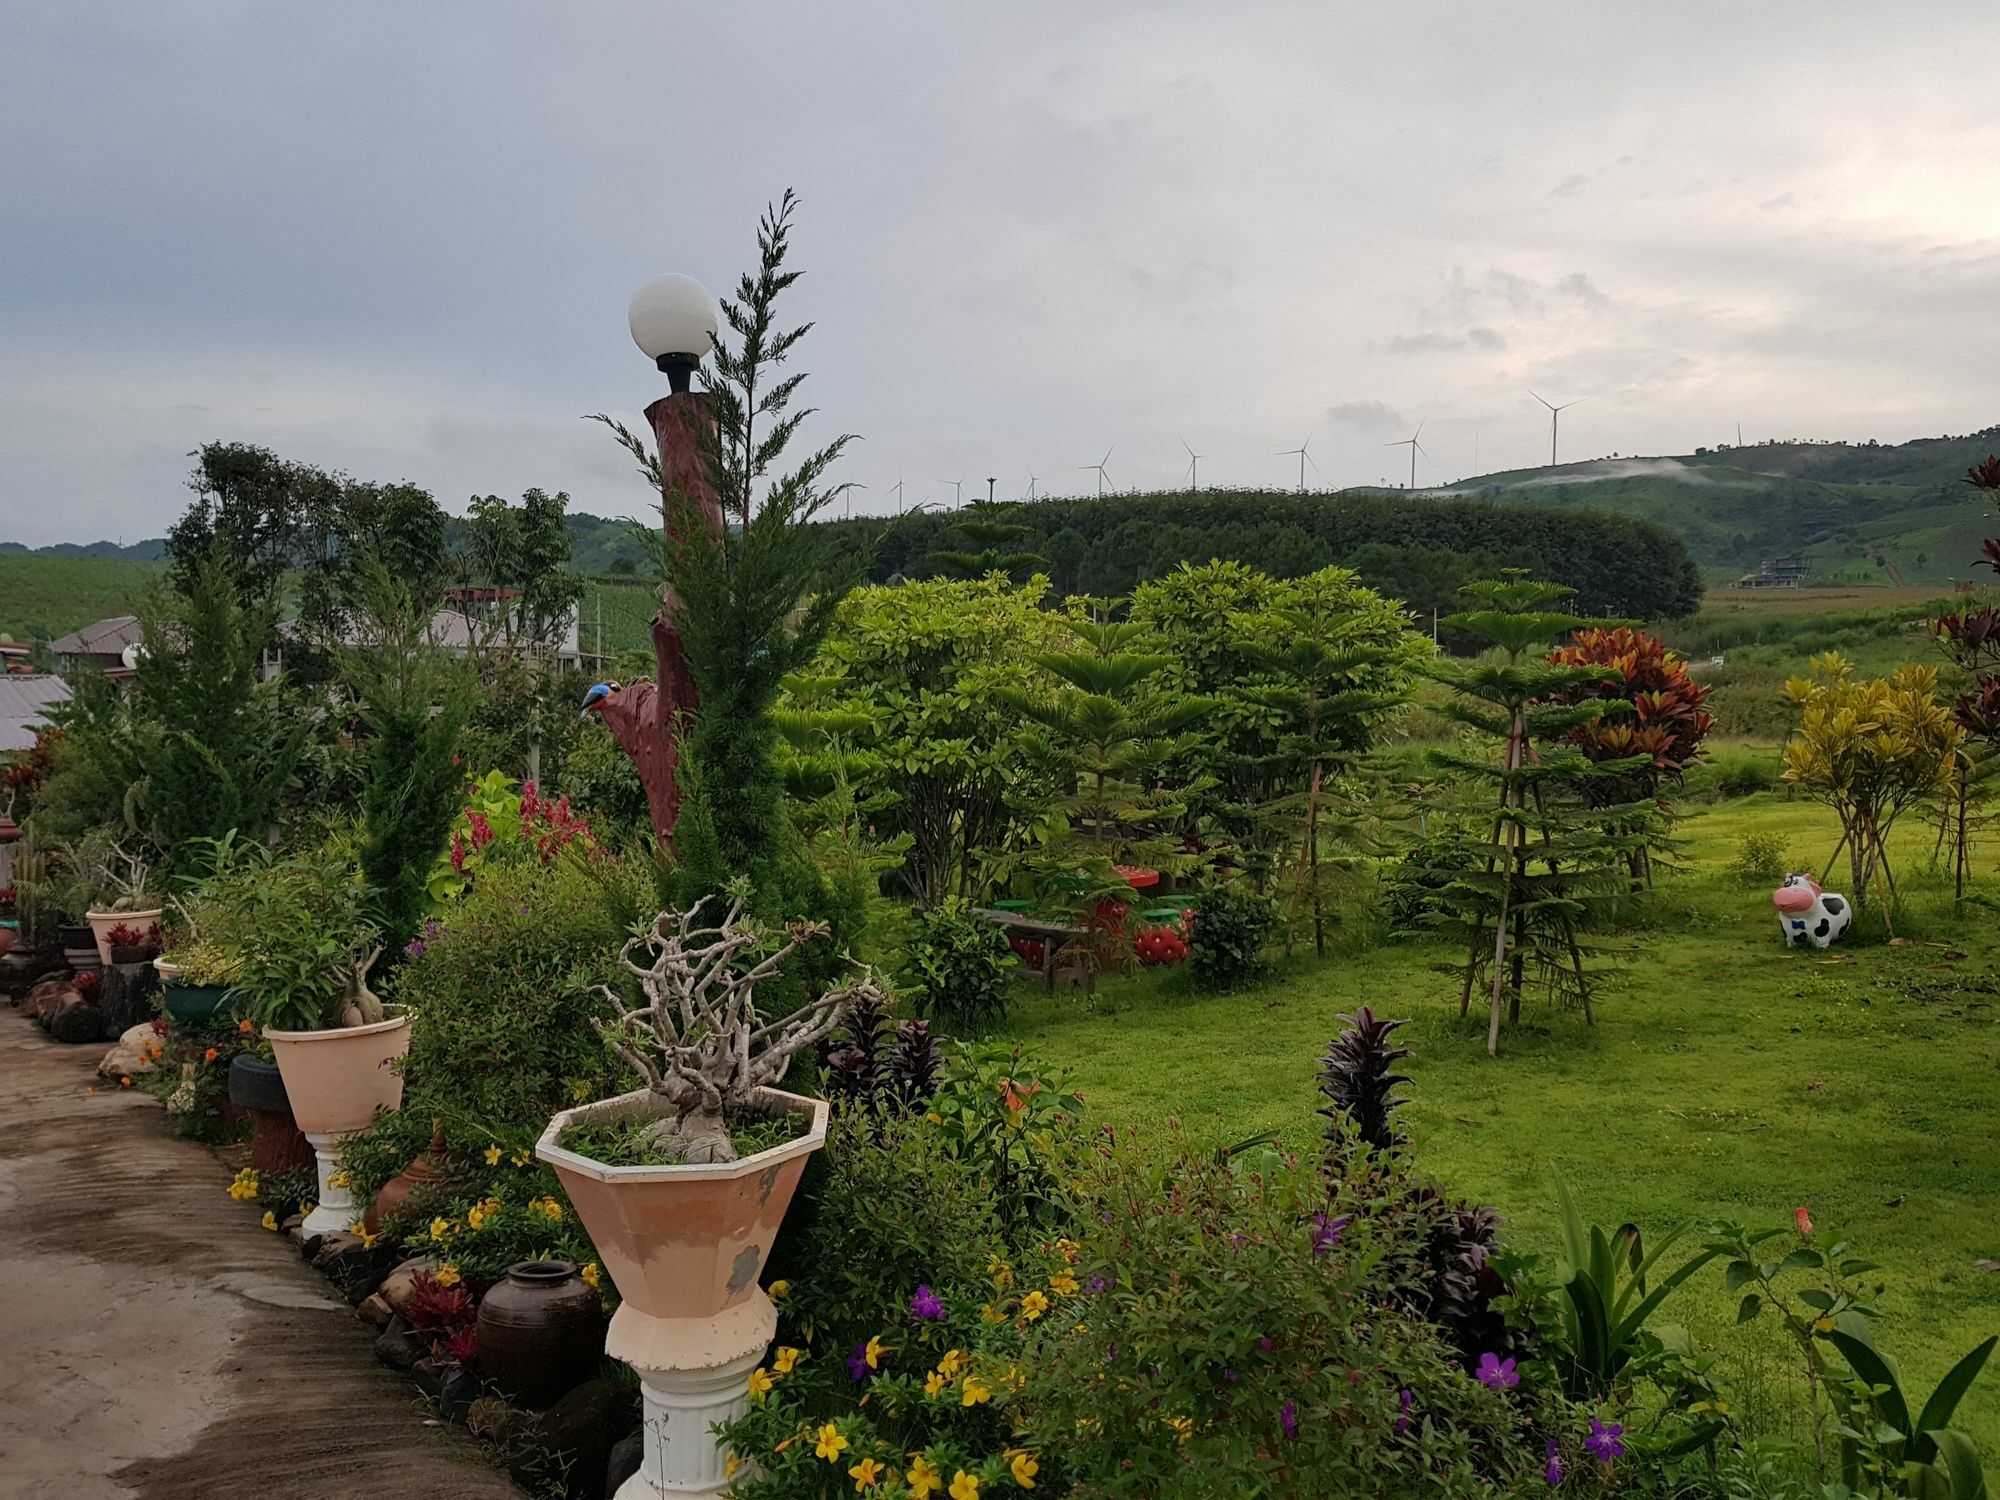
451	1388
399	1346
400	1285
375	1309
76	1020
566	1447
626	1455
133	1054
352	1265
45	996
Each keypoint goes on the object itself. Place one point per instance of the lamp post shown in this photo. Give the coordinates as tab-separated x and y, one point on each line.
674	323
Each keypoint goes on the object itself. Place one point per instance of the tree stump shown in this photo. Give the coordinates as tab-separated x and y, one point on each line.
126	996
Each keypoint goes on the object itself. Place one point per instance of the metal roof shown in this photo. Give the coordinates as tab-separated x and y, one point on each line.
104	638
22	700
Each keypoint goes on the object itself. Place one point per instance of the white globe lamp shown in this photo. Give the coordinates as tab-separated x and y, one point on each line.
674	324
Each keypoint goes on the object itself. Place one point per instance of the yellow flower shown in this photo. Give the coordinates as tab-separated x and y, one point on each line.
875	1350
447	1275
306	1210
337	1179
1000	1271
951	1364
963	1486
1183	1427
481	1214
548	1208
924	1481
1067	1248
1025	1469
730	1464
760	1383
974	1392
830	1445
787	1358
778	1290
269	1221
1824	1325
865	1473
523	1158
367	1240
1033	1306
591	1275
1063	1284
440	1229
935	1382
493	1155
991	1314
243	1187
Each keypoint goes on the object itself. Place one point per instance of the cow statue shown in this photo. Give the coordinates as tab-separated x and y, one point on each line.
1807	913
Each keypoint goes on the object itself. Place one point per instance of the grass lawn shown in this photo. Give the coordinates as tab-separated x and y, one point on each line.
1725	1078
55	595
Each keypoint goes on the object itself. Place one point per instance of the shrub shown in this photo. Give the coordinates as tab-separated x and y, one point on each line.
956	968
1764	857
1226	946
1743	775
1412	884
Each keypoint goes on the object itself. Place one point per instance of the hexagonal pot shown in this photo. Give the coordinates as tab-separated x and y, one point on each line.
684	1245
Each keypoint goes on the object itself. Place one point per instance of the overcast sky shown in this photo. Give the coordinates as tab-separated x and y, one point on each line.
399	238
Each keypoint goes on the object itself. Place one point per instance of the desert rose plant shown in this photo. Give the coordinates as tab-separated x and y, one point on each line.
698	1039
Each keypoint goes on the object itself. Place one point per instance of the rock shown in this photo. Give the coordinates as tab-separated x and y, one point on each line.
626	1456
566	1447
351	1265
76	1020
400	1285
399	1346
133	1055
46	995
453	1389
375	1309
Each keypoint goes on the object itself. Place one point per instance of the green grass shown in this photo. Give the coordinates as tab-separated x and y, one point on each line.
51	596
1725	1078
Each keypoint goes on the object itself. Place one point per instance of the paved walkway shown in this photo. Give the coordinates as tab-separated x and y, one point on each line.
154	1342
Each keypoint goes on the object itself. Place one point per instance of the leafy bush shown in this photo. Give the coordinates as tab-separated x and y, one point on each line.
957	968
1764	858
1412	884
1742	775
1226	945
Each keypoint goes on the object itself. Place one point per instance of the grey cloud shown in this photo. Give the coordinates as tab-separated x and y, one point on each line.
1476	337
1570	186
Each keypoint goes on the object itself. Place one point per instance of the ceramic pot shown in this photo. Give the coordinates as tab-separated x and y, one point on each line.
196	1006
541	1333
336	1081
423	1172
101	923
8	937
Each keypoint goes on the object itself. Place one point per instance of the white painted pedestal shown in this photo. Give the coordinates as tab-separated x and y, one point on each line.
336	1209
693	1374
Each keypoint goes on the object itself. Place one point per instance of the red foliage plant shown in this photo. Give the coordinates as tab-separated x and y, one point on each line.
1972	637
449	1315
85	984
1667	721
125	935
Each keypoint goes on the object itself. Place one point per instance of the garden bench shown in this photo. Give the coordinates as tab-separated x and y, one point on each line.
1051	935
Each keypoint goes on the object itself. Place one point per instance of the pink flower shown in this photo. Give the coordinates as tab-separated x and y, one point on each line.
1803	1219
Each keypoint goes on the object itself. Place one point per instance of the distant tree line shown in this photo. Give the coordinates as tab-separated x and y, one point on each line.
1421	551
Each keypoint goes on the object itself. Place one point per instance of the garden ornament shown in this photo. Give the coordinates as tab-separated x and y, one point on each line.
599	692
1806	913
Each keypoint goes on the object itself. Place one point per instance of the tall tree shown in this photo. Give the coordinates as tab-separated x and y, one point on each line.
246	516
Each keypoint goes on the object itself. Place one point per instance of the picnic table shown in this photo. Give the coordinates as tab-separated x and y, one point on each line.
1050	934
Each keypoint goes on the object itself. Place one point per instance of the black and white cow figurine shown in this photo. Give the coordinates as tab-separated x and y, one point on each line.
1808	914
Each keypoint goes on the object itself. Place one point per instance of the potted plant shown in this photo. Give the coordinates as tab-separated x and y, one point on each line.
195	983
682	1184
119	878
132	943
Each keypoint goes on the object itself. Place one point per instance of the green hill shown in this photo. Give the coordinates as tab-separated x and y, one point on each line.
1859	512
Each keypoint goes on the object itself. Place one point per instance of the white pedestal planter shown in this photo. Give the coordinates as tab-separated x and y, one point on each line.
682	1403
336	1209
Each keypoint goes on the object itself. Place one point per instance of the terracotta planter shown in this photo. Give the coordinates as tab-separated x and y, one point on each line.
425	1171
336	1081
685	1246
541	1332
683	1242
101	923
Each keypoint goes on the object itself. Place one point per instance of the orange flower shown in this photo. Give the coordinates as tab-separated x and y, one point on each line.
124	1083
210	1055
244	1027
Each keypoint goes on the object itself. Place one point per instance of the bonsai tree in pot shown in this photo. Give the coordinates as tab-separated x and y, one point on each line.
685	1228
119	880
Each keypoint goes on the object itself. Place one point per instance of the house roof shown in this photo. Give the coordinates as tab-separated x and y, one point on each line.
105	638
22	701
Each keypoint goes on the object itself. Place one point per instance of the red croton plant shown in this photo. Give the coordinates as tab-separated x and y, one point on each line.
1972	637
1667	721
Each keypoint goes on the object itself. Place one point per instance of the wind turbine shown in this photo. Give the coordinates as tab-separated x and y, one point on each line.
1555	415
896	489
1102	476
1304	459
1415	448
1194	459
850	487
958	492
1032	481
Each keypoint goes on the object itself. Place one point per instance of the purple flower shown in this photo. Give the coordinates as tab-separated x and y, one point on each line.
414	948
1404	1399
1603	1444
1326	1232
1097	1284
1497	1374
1236	1242
926	1307
1288	1418
1264	1344
1554	1472
432	928
857	1363
1229	1375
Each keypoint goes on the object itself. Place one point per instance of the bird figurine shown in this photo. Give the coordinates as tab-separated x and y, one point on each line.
596	697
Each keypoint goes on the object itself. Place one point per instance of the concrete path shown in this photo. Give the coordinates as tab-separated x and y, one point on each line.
155	1342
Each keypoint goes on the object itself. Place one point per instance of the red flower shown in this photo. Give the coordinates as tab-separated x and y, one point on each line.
1802	1219
458	853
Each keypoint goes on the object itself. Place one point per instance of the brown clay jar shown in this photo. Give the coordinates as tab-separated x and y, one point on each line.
423	1172
541	1332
